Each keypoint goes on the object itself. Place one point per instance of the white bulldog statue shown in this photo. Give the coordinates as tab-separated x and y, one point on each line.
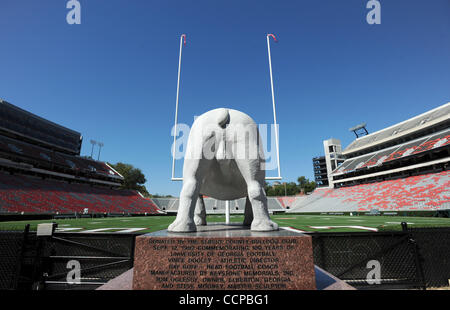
224	160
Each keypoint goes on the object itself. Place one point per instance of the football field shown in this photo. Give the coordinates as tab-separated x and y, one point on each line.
306	223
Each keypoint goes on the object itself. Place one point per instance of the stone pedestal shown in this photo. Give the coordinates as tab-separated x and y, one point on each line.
224	257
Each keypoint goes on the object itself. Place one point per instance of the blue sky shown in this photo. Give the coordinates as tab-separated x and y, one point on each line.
113	78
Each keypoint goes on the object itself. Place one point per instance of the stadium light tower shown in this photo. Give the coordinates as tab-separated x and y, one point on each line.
93	142
100	145
359	130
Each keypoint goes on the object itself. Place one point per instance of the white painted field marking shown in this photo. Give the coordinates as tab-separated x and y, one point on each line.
437	221
354	227
398	223
293	229
67	229
96	230
322	227
119	230
129	230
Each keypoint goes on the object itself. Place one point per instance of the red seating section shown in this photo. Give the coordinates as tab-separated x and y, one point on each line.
286	201
434	141
33	195
422	192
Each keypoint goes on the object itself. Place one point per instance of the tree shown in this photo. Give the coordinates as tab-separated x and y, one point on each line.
290	189
306	185
133	178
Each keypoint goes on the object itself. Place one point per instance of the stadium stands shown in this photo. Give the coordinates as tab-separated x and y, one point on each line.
214	206
41	171
287	202
274	204
31	144
48	153
33	154
166	204
402	129
35	195
420	193
415	147
28	126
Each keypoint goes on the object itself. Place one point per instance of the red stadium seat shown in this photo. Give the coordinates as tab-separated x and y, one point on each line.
35	195
422	192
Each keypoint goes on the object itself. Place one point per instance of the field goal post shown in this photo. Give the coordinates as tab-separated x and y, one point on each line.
183	42
173	178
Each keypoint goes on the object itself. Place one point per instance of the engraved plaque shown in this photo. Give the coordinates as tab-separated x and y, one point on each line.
242	261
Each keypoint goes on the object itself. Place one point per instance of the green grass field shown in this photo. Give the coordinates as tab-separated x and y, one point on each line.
323	223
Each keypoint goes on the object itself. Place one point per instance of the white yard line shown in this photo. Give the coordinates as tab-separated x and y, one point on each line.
346	226
293	229
129	230
119	230
67	229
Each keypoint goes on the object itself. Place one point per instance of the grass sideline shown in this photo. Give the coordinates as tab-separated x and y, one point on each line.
322	223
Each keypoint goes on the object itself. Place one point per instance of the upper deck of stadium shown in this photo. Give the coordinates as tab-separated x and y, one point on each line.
30	144
37	130
420	143
401	132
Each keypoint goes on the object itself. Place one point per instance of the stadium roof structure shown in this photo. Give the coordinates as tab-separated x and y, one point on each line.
20	122
416	123
32	115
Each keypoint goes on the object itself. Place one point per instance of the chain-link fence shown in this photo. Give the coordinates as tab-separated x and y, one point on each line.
11	243
412	258
434	249
369	260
